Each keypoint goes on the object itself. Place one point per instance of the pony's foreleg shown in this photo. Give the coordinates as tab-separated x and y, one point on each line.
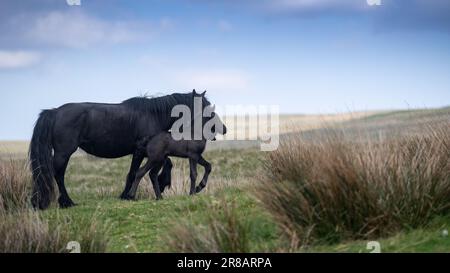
208	170
135	164
193	175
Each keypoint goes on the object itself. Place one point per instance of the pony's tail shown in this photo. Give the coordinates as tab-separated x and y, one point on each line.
41	159
165	178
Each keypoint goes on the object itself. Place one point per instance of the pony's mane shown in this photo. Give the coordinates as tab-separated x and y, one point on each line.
163	104
155	105
159	108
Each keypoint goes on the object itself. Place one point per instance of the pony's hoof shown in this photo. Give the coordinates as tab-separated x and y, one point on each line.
127	197
198	189
65	204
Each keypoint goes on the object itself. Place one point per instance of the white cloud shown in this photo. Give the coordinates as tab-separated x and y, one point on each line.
218	80
18	59
78	30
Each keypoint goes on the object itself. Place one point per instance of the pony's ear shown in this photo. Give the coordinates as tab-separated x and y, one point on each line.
203	94
194	92
213	108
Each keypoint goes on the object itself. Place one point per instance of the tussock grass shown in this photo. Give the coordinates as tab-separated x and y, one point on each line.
24	230
225	231
333	188
15	181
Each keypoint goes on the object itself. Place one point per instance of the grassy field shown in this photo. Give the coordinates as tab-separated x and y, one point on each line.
146	225
95	184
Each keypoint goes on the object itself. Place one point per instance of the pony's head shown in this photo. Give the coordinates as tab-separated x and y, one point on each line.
192	123
207	112
202	96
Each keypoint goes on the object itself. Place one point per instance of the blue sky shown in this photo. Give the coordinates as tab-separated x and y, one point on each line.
323	56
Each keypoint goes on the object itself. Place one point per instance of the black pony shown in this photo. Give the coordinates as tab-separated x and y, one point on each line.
158	149
103	130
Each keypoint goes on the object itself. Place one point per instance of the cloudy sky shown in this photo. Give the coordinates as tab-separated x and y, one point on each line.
307	56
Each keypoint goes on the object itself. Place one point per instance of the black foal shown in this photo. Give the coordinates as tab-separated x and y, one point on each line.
159	148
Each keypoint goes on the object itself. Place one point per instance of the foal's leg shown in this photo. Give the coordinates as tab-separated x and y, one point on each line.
60	162
165	178
208	169
135	163
154	178
193	167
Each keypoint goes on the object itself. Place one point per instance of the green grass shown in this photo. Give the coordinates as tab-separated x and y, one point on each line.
430	239
136	226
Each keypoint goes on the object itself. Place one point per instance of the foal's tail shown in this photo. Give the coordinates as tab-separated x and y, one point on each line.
41	159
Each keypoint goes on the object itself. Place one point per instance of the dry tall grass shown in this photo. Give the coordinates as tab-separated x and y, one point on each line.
26	231
15	181
334	188
23	230
225	231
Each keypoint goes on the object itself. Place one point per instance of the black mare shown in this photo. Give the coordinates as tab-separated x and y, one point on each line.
100	129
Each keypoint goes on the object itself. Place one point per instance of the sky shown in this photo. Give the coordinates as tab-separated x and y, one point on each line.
306	56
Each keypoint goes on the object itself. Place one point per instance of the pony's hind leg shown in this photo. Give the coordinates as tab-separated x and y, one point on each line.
60	165
208	170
